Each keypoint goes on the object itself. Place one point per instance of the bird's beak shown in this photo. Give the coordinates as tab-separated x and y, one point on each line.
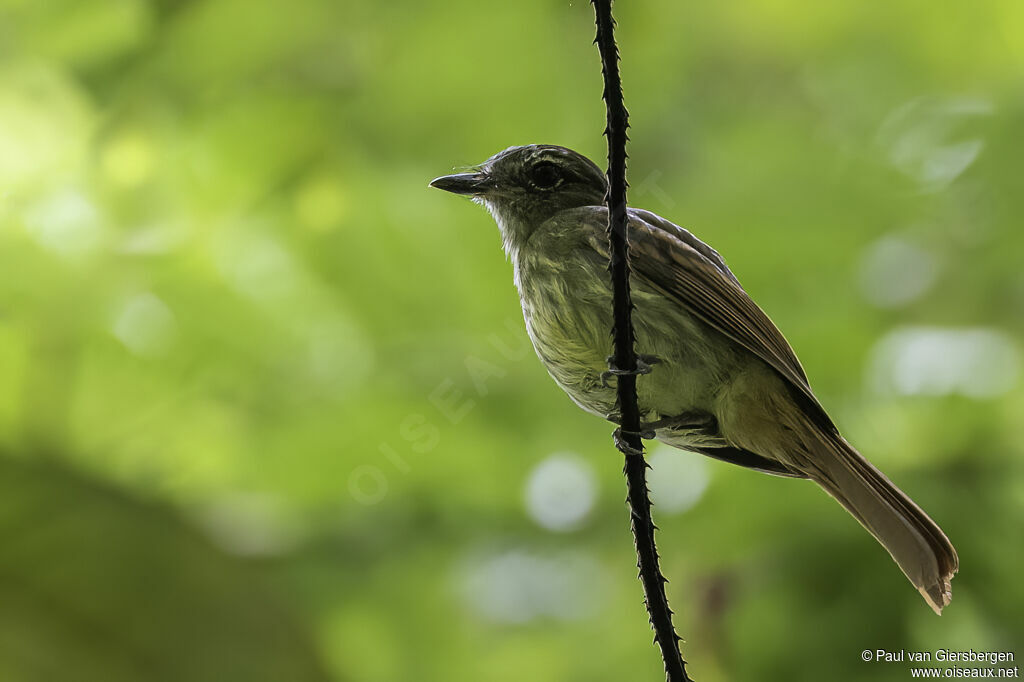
471	184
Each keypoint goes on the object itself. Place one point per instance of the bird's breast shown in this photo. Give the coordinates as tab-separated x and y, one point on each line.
567	306
568	317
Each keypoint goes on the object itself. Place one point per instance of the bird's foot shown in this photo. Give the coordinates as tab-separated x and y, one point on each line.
687	421
693	422
646	430
619	436
643	366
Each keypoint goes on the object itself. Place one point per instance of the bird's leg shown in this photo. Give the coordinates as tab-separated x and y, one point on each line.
643	366
687	421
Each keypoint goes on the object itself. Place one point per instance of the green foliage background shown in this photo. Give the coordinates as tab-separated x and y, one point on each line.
235	327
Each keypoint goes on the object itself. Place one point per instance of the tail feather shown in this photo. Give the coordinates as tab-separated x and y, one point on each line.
916	543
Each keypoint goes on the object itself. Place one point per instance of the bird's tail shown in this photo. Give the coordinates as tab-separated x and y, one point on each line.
918	545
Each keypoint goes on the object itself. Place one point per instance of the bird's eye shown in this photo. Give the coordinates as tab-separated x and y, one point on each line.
545	175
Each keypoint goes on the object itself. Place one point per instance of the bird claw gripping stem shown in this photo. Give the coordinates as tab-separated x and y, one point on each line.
643	366
620	441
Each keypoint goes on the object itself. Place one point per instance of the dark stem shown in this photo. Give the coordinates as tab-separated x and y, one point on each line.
624	357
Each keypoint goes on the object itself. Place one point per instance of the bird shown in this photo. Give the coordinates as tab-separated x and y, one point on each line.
719	378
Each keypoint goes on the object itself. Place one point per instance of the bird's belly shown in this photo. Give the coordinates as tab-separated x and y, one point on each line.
574	350
570	327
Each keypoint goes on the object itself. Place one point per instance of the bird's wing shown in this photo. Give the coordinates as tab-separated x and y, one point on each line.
687	237
671	260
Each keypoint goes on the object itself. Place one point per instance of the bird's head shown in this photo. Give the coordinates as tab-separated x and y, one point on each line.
523	187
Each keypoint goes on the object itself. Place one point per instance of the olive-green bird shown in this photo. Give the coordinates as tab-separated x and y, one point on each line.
726	383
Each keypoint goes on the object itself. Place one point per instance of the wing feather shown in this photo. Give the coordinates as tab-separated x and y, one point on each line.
671	260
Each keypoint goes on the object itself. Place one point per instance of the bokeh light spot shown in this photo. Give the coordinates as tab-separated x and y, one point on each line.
974	362
677	479
145	325
259	267
919	138
66	223
894	272
128	160
560	492
518	586
250	524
